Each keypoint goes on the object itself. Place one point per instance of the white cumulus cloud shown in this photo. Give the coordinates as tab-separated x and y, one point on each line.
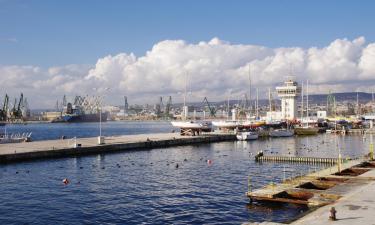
214	69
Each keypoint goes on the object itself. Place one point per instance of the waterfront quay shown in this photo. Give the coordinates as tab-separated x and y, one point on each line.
345	195
83	146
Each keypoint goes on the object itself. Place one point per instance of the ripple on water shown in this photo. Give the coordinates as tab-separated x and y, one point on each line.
145	187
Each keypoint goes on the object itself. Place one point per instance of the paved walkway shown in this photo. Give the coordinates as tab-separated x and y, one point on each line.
23	147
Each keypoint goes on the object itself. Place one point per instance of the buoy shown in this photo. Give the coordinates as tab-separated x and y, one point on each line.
65	181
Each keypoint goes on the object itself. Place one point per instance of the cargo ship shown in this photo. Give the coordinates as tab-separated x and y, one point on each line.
75	114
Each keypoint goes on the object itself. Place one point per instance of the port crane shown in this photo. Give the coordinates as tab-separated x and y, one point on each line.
4	110
16	112
210	108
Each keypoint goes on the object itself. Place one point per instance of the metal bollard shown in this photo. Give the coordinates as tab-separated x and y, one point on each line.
333	214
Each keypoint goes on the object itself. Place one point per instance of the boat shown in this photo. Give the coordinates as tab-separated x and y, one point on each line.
190	127
15	138
253	123
281	133
228	124
306	130
190	124
84	117
247	135
76	114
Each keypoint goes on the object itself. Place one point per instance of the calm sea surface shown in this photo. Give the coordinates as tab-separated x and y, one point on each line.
144	187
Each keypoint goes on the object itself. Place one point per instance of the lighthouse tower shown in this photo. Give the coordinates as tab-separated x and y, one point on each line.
288	94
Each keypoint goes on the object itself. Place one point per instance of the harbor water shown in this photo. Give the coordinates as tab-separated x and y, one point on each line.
147	187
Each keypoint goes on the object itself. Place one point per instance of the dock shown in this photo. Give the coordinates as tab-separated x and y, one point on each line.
84	146
301	159
318	188
351	192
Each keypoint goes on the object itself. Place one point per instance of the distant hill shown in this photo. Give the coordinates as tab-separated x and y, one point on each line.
340	97
313	99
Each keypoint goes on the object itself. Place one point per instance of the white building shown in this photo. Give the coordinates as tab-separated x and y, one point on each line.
288	94
321	114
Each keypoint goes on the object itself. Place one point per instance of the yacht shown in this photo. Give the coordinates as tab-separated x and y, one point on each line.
247	135
228	124
306	130
281	133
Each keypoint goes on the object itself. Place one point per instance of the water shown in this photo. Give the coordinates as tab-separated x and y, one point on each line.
49	131
144	187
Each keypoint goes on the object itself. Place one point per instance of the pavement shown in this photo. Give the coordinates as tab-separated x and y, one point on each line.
85	142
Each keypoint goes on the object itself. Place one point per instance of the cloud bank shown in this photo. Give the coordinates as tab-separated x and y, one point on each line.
215	69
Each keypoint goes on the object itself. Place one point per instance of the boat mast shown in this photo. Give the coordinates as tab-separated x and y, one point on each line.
302	109
185	93
257	105
228	107
186	75
307	101
269	99
357	105
249	90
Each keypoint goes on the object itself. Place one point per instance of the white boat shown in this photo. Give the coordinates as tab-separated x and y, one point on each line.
281	133
191	124
226	124
15	138
248	135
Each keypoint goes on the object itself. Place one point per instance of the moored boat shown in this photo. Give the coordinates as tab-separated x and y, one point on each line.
247	135
281	133
228	124
190	124
306	130
15	138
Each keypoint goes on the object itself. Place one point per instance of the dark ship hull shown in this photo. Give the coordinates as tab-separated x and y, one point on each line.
82	118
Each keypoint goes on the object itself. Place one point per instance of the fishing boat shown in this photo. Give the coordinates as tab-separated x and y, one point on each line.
247	135
281	133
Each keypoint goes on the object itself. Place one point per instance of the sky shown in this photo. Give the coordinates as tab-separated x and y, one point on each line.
146	49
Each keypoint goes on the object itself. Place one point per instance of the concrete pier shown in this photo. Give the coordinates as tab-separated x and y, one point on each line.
351	192
83	146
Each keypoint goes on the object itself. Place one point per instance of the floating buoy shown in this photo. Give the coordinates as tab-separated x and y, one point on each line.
65	181
209	162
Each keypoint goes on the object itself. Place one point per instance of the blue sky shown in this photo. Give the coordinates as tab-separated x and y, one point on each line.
50	33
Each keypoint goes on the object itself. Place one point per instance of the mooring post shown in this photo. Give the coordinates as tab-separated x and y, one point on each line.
248	184
332	216
339	163
371	151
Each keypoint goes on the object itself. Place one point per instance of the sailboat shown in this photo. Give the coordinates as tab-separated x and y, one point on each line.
190	124
305	128
284	132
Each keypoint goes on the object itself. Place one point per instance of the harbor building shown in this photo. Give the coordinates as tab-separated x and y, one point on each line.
289	94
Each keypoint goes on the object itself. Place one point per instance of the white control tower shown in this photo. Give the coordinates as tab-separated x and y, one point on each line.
288	94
